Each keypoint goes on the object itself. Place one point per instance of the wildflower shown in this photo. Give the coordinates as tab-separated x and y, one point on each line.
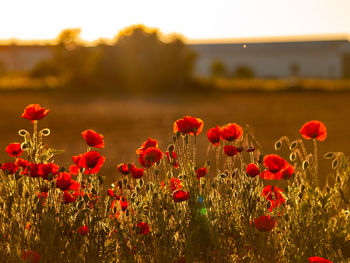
231	132
10	167
314	130
123	203
252	170
143	228
277	168
83	230
201	172
318	260
273	194
172	158
265	223
48	168
93	138
34	112
180	196
14	149
22	163
31	256
70	198
110	192
214	135
188	125
174	184
150	156
92	161
123	168
64	182
230	150
137	173
148	143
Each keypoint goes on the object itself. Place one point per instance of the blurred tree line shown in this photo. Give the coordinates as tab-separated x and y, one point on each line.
138	60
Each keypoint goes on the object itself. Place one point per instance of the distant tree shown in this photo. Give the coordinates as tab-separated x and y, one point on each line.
243	72
141	60
218	68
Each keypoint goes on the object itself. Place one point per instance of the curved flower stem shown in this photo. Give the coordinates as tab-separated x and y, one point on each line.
217	157
315	162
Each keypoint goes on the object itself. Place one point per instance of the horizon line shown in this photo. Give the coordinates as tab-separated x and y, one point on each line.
187	41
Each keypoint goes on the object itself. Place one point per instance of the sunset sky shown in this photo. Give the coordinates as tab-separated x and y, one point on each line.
195	19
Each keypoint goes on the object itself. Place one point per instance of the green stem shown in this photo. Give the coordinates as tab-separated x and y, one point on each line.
315	162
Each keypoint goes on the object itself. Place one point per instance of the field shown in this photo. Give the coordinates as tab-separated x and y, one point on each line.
177	207
127	121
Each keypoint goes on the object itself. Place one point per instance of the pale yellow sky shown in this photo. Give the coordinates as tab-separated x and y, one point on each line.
195	19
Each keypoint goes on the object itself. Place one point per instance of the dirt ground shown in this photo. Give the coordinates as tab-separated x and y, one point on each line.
127	121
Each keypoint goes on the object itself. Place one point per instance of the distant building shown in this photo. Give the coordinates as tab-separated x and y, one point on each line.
314	59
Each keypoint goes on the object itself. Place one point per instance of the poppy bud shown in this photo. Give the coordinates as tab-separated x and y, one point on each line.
44	188
300	195
251	149
338	179
171	148
278	145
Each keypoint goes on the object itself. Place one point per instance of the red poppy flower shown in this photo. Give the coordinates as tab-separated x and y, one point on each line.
92	161
123	168
110	192
70	197
318	260
137	173
143	228
150	156
31	256
64	182
93	138
231	132
230	150
265	223
188	125
22	163
174	184
277	168
172	158
74	169
201	172
148	143
180	196
252	170
273	194
314	130
14	149
214	135
10	167
34	112
48	168
123	203
83	230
